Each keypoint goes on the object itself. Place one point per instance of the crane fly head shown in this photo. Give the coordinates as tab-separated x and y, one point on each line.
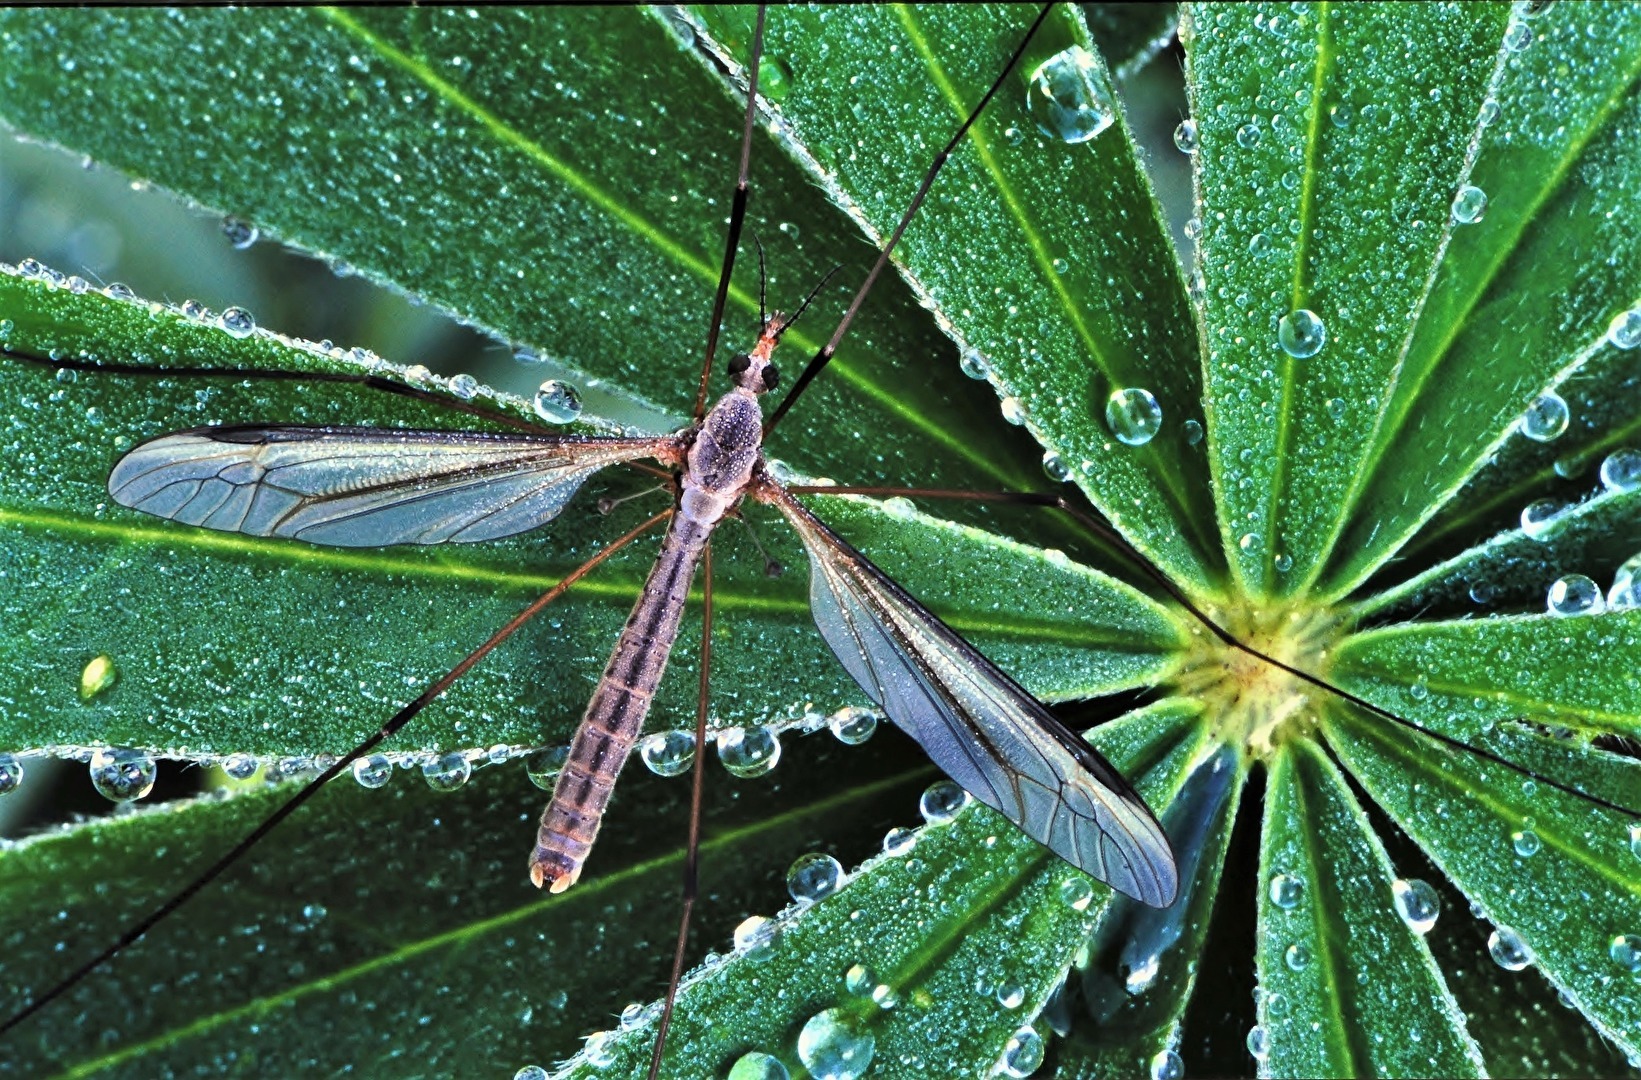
753	371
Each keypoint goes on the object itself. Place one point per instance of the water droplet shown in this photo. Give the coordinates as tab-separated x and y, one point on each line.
1283	562
1532	9
1538	517
1625	329
1011	995
1417	903
1481	592
1259	1043
117	290
373	770
814	877
237	321
557	402
464	386
1022	1054
973	364
1286	891
1546	418
1060	266
1014	411
757	937
240	234
11	773
418	373
1489	111
1068	97
1574	594
1166	1065
774	80
1508	950
1193	432
1635	839
1247	136
1621	470
1526	843
240	766
97	676
1055	467
859	980
668	753
758	1065
447	772
835	1046
526	355
1469	205
1077	892
121	775
1625	949
942	801
749	752
1518	37
597	1049
1301	334
1248	541
543	766
897	842
1185	136
852	725
1133	416
531	1072
1297	957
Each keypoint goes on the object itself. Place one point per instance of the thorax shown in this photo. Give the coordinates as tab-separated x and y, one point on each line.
720	462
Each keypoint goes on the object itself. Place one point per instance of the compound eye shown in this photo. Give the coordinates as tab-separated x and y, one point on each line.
772	377
739	363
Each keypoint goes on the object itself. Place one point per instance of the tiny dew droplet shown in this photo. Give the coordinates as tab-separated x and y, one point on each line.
11	773
668	753
1286	891
757	1065
1167	1065
1133	416
1022	1054
1625	950
835	1046
1283	562
1546	418
557	402
97	676
859	980
1469	205
1621	470
1193	432
1301	333
447	772
1417	903
1068	98
756	938
1574	594
240	234
814	877
1625	329
942	801
898	841
1247	136
463	386
1077	892
749	752
1537	518
121	775
373	770
237	321
1508	950
1297	957
543	766
1185	136
852	725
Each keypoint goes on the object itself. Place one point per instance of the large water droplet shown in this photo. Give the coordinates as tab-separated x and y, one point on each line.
463	386
852	725
447	772
1133	416
11	774
1621	470
1297	957
240	234
1574	594
1286	891
973	364
1055	468
756	938
1526	843
668	753
1167	1065
1013	410
240	766
1259	1043
557	402
942	801
543	766
1625	329
1011	995
1068	96
898	841
237	321
835	1046
1469	205
1635	839
1301	333
373	770
749	752
1546	418
1625	950
1185	136
1417	903
121	775
1193	432
758	1065
1077	892
531	1072
814	877
1518	37
97	676
1538	517
1022	1054
1508	950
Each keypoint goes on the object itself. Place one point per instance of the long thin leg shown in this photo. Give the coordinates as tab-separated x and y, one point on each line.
737	218
1110	535
311	788
822	358
692	851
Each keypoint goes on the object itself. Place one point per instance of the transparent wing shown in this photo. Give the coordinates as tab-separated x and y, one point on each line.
979	725
364	487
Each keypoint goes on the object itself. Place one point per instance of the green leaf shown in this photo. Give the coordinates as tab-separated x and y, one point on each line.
1326	911
1130	35
1522	299
1294	195
1082	293
1574	891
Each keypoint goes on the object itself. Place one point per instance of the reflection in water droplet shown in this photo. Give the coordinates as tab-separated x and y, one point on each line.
852	725
557	402
373	770
1055	467
1185	136
1068	96
668	753
1546	418
1621	470
749	752
757	1065
237	321
1538	517
1011	995
942	801
835	1046
1574	594
1022	1054
531	1072
1193	432
543	766
1259	1043
756	938
98	675
973	364
1518	37
11	774
1077	892
1014	411
1635	839
1508	950
121	775
1526	843
1286	891
447	772
1167	1066
897	842
1301	333
240	766
814	877
240	234
464	386
1625	950
1133	416
1417	903
1297	957
1625	329
1469	205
